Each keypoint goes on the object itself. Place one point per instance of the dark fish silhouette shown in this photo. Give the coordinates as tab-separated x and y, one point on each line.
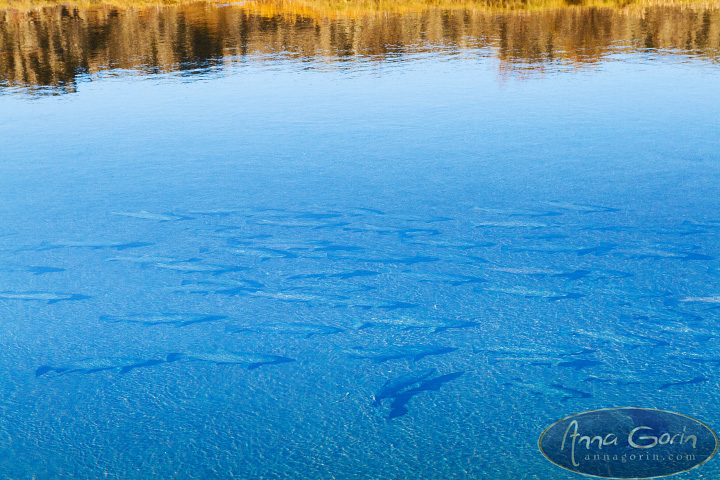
416	232
551	296
307	330
549	213
266	253
597	251
196	266
44	270
339	248
576	275
318	216
251	361
146	363
48	297
565	296
160	217
580	208
578	393
89	245
341	276
397	305
584	351
230	287
449	278
398	408
404	261
697	256
580	364
621	382
394	386
410	323
99	364
177	319
552	236
412	352
689	382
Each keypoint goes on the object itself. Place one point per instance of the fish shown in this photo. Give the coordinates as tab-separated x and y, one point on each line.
398	408
296	297
44	270
597	251
99	364
307	330
530	271
698	359
550	236
119	246
538	214
580	364
619	381
144	260
632	341
177	319
251	361
408	323
552	390
531	293
711	299
393	386
403	261
451	279
697	256
412	352
510	224
215	213
340	275
575	275
48	297
453	244
397	305
404	233
380	230
581	208
35	270
301	223
417	232
664	251
339	248
541	350
578	393
544	360
266	253
694	381
680	328
228	287
318	216
194	266
160	217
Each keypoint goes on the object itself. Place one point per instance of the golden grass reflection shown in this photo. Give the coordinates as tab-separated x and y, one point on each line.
51	46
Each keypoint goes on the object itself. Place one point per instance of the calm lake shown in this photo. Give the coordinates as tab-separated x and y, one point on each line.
302	241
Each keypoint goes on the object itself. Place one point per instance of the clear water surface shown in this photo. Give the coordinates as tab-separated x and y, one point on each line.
292	263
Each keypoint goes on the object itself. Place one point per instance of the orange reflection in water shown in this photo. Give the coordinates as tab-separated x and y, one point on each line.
51	46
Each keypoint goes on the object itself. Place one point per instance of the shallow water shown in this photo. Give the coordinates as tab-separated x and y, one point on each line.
219	244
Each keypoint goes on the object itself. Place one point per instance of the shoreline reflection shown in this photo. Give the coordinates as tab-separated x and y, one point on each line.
50	49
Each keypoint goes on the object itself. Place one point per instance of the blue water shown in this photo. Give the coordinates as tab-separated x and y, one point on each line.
264	246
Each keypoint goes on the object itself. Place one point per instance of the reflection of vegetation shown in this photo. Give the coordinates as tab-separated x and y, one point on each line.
360	7
354	8
51	46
